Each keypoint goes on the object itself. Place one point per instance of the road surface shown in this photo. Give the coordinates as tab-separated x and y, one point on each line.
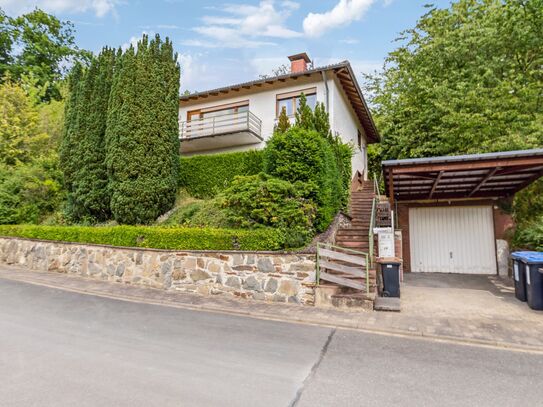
60	348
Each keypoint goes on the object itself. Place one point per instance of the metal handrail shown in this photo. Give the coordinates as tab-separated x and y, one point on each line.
220	124
372	225
376	186
331	246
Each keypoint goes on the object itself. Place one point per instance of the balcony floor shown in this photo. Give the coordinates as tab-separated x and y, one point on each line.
218	141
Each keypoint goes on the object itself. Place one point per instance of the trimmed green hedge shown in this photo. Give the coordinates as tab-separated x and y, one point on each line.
173	238
204	176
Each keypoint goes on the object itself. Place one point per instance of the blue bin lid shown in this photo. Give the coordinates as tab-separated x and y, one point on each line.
528	257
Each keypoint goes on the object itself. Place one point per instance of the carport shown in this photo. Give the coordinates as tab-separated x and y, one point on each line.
450	208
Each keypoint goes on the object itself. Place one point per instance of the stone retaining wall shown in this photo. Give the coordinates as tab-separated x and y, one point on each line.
281	277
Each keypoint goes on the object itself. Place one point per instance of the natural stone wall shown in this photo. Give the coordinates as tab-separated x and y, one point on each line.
281	277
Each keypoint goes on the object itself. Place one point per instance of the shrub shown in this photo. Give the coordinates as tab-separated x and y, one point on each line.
174	238
204	176
305	157
29	193
260	200
199	214
529	235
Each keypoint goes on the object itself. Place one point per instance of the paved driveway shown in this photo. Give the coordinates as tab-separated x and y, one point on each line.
463	296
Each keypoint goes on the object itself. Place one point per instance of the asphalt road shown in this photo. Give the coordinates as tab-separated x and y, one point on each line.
60	349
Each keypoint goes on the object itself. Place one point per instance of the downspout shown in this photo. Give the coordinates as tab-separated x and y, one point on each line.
325	79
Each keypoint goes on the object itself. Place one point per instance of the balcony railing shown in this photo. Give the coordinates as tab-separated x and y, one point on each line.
227	123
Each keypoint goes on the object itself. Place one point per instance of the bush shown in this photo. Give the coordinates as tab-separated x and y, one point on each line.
199	214
305	156
530	235
260	200
204	176
174	238
29	193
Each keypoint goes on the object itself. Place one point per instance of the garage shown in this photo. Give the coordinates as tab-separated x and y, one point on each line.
451	212
452	240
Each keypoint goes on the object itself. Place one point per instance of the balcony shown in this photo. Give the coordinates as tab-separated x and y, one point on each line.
221	131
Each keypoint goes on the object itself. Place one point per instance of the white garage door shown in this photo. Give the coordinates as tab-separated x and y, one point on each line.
452	240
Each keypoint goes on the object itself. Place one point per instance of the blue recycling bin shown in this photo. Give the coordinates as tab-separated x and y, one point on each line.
529	265
519	275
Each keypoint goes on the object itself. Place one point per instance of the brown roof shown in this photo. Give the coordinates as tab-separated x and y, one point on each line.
491	175
343	72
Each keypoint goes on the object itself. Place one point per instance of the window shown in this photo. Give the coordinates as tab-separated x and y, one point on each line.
359	139
291	101
214	111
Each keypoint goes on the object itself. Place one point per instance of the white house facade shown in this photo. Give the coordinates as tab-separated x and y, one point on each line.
243	116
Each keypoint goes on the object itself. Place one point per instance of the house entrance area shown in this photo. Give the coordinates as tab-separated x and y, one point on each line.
452	240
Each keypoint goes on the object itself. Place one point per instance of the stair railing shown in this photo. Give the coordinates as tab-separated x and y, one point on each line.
375	201
355	257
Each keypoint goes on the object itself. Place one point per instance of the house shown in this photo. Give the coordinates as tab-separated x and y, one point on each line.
451	210
243	116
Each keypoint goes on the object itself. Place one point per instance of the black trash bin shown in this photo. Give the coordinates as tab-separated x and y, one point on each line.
534	279
390	272
519	274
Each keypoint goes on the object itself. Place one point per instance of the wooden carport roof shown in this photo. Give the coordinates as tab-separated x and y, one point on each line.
492	175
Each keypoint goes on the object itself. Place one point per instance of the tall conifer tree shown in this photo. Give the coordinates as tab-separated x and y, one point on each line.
142	136
68	160
91	191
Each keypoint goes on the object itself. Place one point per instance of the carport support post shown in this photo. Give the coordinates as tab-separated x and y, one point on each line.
391	187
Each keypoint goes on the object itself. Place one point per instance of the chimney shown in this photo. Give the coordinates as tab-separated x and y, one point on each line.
298	62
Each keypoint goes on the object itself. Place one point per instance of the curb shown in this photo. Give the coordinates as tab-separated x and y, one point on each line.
295	320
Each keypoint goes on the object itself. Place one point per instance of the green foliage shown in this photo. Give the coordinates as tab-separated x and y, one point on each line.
142	136
529	235
304	156
83	149
261	200
304	117
6	43
21	138
37	44
374	160
193	212
29	193
204	176
175	238
321	120
466	79
283	122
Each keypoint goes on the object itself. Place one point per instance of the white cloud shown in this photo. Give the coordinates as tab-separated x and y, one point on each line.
243	25
343	13
168	26
349	41
263	66
99	7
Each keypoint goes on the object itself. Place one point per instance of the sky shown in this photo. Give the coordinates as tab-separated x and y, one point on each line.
226	42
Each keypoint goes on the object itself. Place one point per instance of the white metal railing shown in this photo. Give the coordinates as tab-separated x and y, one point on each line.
220	124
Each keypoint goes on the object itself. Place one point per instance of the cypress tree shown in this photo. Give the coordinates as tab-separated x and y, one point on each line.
283	122
70	139
304	115
142	136
90	191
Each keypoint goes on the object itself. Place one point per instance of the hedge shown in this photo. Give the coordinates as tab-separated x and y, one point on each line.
204	176
174	238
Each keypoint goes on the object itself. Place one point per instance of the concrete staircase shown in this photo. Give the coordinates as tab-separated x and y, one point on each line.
355	237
